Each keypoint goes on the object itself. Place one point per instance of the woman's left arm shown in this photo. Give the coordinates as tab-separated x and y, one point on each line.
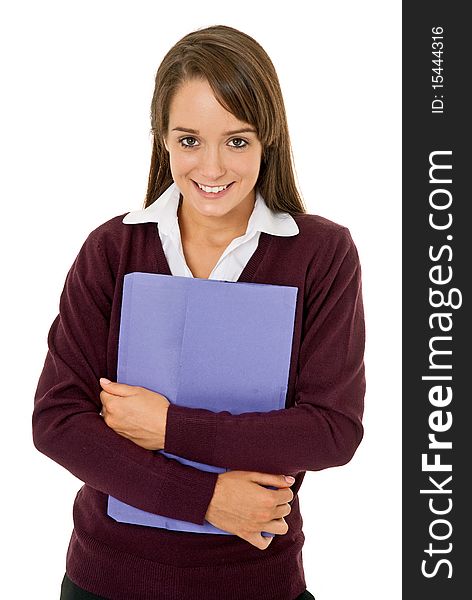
324	427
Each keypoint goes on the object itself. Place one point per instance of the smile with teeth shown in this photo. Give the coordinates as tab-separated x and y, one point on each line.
213	190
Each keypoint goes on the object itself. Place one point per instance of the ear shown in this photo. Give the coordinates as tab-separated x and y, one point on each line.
165	144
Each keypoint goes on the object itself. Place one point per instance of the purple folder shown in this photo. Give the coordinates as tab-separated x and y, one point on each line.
204	343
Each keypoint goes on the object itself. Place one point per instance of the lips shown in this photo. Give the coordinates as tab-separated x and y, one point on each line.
212	194
204	185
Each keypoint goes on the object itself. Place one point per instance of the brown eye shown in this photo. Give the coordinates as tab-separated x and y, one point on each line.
191	145
239	145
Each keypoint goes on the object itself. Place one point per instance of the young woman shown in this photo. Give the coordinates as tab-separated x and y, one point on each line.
222	203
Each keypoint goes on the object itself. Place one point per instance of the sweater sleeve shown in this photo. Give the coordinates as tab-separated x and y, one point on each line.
67	426
323	428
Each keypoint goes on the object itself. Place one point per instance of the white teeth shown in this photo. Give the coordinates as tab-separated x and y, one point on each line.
214	190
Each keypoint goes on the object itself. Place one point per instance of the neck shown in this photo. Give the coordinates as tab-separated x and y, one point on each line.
216	232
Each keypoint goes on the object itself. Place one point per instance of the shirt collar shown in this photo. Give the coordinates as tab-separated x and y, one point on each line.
164	211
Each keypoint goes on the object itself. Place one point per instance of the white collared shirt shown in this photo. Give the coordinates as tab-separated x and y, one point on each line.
236	255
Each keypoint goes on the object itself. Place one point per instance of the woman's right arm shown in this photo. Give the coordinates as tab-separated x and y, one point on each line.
241	505
68	428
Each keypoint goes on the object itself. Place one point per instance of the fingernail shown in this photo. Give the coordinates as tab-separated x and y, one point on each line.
104	380
289	478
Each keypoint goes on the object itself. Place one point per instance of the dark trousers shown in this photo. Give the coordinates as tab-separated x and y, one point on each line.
70	591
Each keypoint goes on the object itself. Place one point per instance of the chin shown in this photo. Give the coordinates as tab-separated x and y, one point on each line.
212	211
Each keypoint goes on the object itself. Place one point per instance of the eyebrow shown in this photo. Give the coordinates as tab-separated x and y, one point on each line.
188	130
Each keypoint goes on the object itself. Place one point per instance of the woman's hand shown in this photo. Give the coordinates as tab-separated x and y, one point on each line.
135	413
242	506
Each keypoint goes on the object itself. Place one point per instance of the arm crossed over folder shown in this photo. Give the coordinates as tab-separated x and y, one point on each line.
200	343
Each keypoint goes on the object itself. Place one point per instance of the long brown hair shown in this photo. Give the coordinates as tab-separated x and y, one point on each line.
245	83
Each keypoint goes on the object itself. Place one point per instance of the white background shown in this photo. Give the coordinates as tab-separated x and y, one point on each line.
77	80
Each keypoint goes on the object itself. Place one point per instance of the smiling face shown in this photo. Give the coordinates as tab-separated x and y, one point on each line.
208	145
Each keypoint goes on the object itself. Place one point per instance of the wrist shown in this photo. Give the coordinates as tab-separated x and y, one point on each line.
164	427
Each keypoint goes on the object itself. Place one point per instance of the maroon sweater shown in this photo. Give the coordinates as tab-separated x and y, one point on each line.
320	426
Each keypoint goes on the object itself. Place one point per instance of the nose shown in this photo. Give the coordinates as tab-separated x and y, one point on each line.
211	166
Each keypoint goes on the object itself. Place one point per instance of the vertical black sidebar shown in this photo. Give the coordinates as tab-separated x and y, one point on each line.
437	269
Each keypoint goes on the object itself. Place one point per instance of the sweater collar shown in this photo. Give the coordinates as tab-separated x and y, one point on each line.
164	211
